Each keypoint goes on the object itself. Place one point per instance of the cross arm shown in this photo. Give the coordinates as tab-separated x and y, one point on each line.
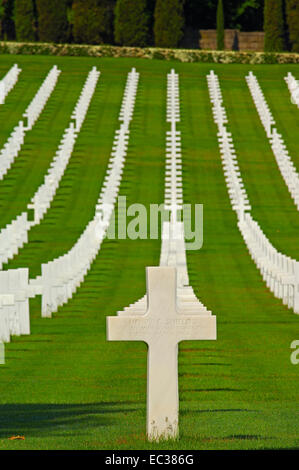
196	327
131	328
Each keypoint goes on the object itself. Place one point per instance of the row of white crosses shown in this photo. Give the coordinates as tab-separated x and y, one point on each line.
170	312
15	234
86	95
287	168
61	277
11	148
39	101
293	86
43	197
283	159
237	193
261	104
280	272
14	299
15	289
8	82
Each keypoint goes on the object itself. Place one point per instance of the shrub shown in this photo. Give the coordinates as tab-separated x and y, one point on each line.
180	55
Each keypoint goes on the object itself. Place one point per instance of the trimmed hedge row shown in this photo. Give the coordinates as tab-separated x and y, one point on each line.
181	55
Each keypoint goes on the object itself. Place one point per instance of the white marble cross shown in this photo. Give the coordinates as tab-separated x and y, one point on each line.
162	326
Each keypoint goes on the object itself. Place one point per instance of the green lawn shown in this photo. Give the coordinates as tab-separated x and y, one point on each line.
65	386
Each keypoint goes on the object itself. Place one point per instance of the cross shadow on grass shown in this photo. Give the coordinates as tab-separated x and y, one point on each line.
224	389
37	419
228	410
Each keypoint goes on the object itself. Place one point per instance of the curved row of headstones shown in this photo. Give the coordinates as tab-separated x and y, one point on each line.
39	101
8	82
11	148
15	289
82	105
43	197
287	168
293	86
15	234
61	277
280	272
283	159
237	193
45	193
13	237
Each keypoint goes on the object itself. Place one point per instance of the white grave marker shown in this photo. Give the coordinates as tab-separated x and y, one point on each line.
162	327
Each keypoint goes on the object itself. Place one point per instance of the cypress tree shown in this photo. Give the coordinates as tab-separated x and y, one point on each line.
169	22
7	27
220	26
52	20
25	21
131	23
92	21
273	26
2	15
292	10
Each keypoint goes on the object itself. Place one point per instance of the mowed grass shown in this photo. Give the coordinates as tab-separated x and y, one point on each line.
65	386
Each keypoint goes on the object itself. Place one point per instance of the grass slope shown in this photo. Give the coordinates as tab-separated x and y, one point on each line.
65	387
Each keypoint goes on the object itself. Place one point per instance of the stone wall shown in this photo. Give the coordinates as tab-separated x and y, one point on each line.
234	40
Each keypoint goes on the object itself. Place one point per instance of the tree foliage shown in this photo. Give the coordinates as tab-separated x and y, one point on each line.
246	15
274	26
7	27
92	21
292	9
25	20
169	22
220	26
52	20
131	24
